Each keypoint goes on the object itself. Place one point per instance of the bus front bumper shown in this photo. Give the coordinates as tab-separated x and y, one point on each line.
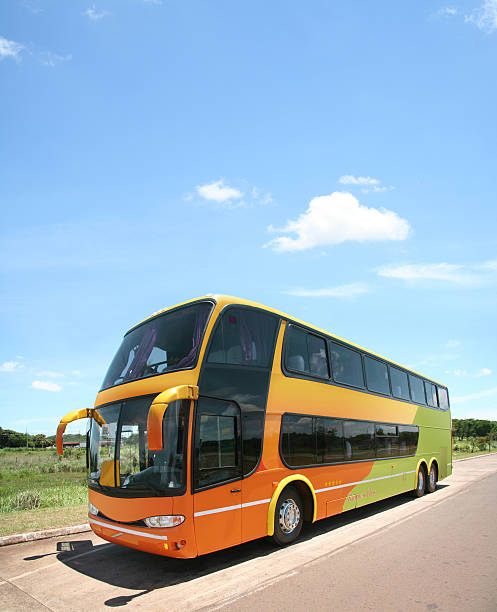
169	542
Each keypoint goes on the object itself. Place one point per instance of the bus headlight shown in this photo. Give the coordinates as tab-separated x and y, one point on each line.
92	509
164	521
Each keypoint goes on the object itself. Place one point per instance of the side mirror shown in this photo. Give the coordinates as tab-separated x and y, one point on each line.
158	409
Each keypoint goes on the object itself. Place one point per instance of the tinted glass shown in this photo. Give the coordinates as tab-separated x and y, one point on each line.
297	355
346	365
400	386
431	394
243	337
168	342
329	434
443	398
408	439
298	441
417	389
318	360
376	376
387	440
359	440
217	442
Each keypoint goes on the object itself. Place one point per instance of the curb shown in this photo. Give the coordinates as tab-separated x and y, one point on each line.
17	538
475	457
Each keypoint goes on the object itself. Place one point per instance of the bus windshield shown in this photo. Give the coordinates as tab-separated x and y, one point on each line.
168	342
119	455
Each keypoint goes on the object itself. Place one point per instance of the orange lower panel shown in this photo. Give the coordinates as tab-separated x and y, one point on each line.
171	542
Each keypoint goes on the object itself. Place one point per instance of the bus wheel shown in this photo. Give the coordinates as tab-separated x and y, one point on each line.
288	517
419	491
431	483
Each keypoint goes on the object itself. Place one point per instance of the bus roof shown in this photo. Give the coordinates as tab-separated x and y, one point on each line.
225	300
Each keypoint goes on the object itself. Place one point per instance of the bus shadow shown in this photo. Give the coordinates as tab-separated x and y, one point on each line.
143	572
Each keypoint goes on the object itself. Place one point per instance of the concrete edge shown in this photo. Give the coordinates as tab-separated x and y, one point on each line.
17	538
475	457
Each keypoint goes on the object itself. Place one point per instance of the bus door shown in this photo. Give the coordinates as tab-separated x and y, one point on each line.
217	475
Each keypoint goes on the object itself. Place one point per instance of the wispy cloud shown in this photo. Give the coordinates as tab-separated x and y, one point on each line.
46	385
462	399
366	183
459	274
47	58
9	48
49	374
11	366
219	192
452	344
465	373
484	17
341	291
337	218
446	11
94	15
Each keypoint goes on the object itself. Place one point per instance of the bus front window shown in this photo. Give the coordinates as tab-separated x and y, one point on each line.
123	460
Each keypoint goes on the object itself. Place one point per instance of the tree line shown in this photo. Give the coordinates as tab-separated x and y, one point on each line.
474	428
15	439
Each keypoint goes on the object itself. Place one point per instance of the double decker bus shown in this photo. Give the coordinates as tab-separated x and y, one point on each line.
221	421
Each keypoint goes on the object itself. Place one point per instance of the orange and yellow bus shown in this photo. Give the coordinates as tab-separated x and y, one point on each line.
221	421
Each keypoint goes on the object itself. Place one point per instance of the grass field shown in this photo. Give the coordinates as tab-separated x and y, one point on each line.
40	490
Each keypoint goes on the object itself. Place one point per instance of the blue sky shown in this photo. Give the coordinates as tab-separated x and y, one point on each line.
335	160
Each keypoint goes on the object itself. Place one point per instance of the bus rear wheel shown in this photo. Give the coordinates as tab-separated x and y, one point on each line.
419	491
288	517
431	483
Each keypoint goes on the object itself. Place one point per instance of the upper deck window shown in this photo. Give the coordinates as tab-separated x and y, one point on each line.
417	389
163	344
400	386
443	398
346	365
376	376
306	353
243	337
431	394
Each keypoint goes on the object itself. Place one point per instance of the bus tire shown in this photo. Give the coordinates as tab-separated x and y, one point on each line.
420	488
431	482
288	516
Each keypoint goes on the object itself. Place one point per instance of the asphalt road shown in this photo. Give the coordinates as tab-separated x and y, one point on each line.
434	553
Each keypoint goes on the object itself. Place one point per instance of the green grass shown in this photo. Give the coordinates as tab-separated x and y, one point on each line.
36	485
464	454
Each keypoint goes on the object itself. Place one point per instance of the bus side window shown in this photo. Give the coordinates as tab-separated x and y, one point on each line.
346	365
217	442
443	398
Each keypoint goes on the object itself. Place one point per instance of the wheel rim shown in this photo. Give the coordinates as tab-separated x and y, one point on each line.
421	480
289	516
433	478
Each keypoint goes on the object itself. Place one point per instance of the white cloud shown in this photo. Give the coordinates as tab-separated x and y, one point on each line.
461	399
261	198
95	15
218	192
452	343
9	48
484	17
446	11
484	372
463	373
337	218
45	385
47	58
11	366
49	374
454	273
350	179
342	291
